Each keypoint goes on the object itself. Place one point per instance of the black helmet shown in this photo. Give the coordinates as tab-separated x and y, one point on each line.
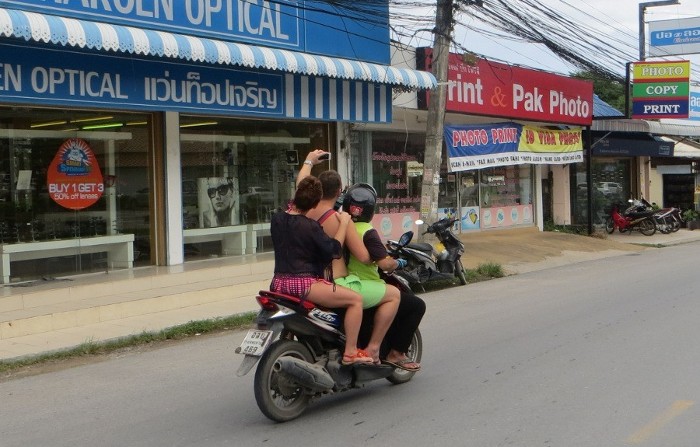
359	202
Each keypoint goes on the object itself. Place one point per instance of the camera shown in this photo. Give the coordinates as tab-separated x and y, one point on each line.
324	157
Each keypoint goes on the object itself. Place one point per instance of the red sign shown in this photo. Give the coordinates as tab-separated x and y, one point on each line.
482	87
74	179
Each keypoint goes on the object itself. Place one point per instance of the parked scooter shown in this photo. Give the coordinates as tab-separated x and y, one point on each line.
631	219
428	263
300	347
667	220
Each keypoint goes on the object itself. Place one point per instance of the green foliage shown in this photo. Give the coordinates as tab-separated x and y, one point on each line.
609	90
690	215
490	270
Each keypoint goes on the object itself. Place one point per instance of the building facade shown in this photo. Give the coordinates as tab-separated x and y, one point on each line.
134	136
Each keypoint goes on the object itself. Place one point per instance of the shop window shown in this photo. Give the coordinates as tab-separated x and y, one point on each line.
679	191
611	186
73	191
506	196
235	174
396	170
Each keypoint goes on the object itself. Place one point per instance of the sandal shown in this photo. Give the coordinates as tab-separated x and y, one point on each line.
405	364
360	356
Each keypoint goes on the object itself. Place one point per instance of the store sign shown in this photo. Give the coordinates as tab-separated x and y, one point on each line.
504	144
607	146
694	109
672	37
482	87
74	179
661	90
60	77
291	24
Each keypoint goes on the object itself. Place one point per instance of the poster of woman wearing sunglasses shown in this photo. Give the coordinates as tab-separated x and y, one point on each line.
218	202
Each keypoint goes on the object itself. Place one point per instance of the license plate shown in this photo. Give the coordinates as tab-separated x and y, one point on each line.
255	342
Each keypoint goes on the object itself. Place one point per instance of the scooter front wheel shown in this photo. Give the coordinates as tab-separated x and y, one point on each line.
278	398
609	225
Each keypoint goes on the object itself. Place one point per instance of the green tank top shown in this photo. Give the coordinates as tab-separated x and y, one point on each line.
355	267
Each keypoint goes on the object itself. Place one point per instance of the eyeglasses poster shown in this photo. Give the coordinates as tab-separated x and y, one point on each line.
218	201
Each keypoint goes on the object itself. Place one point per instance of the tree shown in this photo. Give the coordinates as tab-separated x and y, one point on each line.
609	90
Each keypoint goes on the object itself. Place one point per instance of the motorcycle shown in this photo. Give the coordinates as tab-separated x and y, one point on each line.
668	220
631	219
299	347
428	263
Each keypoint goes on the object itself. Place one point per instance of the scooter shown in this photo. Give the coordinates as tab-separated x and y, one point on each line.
427	263
630	219
667	220
299	347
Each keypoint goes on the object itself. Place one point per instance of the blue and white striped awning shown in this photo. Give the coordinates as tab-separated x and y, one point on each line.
125	39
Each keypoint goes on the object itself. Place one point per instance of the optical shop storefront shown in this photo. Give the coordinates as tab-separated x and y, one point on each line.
507	122
133	137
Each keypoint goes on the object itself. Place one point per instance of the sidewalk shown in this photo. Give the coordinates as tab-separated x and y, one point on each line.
64	314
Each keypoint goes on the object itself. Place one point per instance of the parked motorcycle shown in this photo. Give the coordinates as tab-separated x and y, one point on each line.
299	347
631	219
428	263
667	220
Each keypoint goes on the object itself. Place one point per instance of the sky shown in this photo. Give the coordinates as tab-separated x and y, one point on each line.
613	19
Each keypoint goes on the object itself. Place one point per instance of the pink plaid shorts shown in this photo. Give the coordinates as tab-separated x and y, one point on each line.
294	285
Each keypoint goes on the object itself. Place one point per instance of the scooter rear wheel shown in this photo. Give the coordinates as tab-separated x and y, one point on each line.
415	353
278	398
647	227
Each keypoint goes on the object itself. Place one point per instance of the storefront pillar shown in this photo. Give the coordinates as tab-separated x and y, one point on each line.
173	188
539	209
561	197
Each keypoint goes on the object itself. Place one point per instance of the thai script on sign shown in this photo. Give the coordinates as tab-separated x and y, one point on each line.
193	91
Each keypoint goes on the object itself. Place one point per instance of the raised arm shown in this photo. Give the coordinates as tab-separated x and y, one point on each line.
311	161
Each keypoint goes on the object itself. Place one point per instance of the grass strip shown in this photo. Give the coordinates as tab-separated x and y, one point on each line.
92	348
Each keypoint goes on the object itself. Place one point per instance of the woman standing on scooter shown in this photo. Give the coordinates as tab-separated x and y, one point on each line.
302	253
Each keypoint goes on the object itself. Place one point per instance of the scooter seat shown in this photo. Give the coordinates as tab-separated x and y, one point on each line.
422	246
284	297
639	214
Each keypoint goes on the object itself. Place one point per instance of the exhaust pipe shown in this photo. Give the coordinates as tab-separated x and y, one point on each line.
305	374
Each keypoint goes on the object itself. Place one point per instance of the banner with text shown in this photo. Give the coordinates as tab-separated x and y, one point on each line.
314	26
503	144
62	77
486	88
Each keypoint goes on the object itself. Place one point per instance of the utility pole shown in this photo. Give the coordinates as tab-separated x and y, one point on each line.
436	112
644	168
642	31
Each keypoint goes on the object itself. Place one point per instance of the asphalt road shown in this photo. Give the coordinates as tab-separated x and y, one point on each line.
600	353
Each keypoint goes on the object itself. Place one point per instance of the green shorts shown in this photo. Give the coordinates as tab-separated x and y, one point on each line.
372	291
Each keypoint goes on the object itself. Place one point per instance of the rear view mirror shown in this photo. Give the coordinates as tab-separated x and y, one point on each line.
405	238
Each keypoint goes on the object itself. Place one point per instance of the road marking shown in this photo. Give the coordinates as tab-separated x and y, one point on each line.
664	418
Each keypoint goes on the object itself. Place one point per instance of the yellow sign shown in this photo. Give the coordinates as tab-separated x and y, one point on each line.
540	140
655	71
